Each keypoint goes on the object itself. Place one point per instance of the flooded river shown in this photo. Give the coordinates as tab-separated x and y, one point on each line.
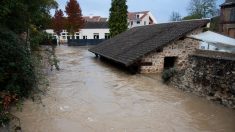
87	95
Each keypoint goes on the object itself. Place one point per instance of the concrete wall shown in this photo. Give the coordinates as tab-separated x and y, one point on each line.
212	77
180	49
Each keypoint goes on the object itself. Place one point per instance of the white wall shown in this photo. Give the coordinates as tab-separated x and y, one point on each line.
90	33
83	32
206	46
142	21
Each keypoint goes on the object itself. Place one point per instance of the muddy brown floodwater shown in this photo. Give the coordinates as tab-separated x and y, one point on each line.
87	95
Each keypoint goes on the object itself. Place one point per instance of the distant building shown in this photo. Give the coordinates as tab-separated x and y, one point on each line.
227	18
96	27
91	30
140	19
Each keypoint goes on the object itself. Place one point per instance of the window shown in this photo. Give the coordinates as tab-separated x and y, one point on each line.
84	37
203	47
96	36
68	37
169	62
138	22
137	16
144	22
146	64
77	36
107	36
131	23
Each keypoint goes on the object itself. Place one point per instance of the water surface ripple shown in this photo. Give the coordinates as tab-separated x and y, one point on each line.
87	95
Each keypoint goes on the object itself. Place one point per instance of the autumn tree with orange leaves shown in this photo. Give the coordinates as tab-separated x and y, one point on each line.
74	21
58	22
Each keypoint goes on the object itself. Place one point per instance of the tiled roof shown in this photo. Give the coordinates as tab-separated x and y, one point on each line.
96	25
228	3
94	19
130	46
132	15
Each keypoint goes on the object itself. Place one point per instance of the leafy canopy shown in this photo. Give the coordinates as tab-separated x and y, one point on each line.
118	17
18	15
58	21
75	20
202	9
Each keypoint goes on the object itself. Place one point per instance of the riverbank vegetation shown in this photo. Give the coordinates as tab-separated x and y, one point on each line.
21	63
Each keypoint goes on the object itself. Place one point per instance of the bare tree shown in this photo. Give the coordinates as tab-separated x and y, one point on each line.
175	16
202	8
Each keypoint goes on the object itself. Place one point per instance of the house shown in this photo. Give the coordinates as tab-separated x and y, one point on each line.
91	30
140	19
215	42
227	18
153	48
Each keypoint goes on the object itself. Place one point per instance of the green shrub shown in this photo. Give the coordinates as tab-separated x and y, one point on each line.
17	76
37	38
168	74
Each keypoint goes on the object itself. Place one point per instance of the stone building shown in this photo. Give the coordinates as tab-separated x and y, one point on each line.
227	18
153	48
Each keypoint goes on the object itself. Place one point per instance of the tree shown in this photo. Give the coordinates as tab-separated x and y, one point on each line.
19	15
175	16
75	20
58	22
202	8
194	16
118	17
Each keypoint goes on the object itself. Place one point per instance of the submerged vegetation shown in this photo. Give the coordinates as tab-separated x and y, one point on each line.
168	74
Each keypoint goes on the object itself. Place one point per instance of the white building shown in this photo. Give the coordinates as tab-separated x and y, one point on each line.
216	42
140	19
91	30
96	27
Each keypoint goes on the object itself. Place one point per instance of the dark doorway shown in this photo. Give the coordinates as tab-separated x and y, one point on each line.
169	62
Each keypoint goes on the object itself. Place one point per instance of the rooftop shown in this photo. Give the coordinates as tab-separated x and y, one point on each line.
228	3
95	19
96	25
130	46
132	15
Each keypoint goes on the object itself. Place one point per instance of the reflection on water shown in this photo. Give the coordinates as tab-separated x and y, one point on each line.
87	95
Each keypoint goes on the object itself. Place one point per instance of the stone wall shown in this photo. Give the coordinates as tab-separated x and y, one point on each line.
180	49
210	74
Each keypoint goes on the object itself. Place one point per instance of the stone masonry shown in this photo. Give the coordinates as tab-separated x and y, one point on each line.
209	75
180	49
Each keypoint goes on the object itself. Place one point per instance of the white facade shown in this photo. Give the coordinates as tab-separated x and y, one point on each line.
92	33
214	41
140	19
83	34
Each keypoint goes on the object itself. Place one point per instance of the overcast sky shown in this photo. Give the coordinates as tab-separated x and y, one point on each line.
161	9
